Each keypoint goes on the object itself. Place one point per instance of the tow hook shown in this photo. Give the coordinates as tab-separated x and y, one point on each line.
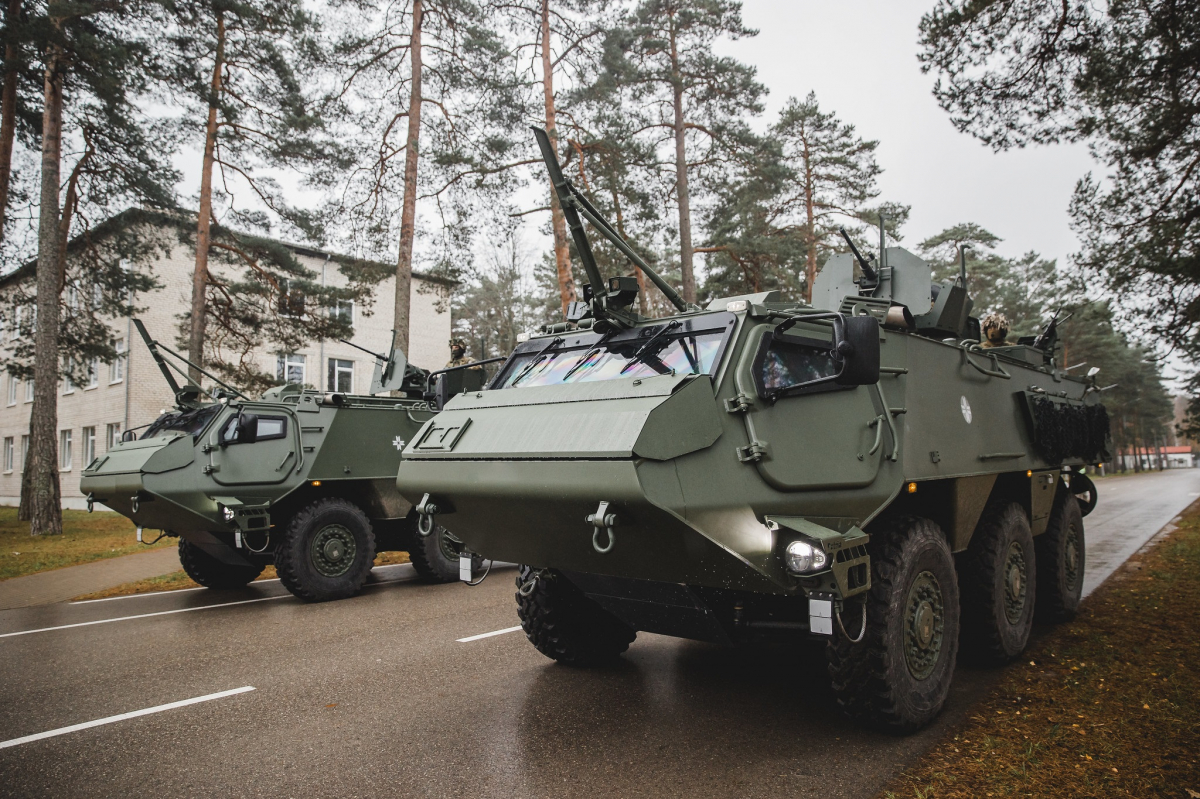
91	500
602	521
426	510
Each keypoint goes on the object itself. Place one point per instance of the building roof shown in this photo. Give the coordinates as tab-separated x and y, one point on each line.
29	268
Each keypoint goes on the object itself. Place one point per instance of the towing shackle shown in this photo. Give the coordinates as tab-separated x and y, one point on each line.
426	510
602	521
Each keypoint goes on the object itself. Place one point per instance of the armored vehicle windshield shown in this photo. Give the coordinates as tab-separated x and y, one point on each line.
691	346
192	422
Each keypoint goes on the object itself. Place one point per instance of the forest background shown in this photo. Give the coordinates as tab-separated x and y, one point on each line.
397	132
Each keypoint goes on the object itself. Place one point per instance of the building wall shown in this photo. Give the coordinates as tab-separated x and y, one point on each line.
138	394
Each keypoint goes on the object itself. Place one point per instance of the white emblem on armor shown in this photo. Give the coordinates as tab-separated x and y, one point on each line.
966	408
398	442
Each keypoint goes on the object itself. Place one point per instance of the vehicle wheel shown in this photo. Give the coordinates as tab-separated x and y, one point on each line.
996	580
565	625
435	556
1061	557
212	573
898	676
326	552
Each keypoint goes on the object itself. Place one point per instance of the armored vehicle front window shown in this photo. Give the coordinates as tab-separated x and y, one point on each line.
663	349
191	422
268	427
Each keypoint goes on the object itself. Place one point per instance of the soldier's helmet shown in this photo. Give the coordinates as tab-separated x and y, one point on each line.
458	342
994	327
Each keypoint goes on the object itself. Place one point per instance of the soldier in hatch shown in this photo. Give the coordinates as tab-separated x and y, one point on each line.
995	330
458	354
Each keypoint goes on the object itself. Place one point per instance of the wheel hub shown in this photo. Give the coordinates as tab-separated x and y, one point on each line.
1015	583
333	550
925	621
450	545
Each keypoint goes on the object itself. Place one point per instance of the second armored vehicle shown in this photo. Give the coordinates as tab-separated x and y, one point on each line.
299	479
858	468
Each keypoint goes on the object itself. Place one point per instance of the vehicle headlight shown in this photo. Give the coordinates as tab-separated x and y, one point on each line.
227	514
802	557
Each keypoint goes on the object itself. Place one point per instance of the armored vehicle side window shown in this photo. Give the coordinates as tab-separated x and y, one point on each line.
790	361
269	427
191	422
644	352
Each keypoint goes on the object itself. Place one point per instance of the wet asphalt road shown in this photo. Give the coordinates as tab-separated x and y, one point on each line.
374	696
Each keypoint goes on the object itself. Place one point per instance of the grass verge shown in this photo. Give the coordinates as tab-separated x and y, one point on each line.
1108	705
178	580
86	537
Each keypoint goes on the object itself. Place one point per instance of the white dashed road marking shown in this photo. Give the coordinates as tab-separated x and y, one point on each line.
470	638
142	616
123	716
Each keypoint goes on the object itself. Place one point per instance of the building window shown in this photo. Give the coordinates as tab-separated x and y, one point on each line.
290	368
68	383
12	389
112	436
64	450
29	390
8	454
343	311
93	373
97	296
88	439
291	299
15	333
24	451
341	375
116	369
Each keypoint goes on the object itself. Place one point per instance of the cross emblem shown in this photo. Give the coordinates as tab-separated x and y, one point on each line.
398	443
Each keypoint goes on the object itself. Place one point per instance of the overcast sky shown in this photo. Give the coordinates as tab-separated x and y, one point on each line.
861	59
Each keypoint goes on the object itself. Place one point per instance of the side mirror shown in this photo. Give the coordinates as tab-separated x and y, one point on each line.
856	344
245	431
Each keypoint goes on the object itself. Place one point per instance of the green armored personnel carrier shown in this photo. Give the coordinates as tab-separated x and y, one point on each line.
301	479
859	469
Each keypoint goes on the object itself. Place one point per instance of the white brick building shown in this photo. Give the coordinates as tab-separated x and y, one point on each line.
131	392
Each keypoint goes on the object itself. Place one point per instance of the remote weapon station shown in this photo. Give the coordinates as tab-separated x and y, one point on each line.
858	469
301	479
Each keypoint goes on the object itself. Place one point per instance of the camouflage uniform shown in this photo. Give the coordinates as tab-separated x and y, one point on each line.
995	330
461	358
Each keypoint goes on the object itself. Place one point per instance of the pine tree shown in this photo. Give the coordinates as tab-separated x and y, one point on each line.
1122	76
440	56
243	77
93	57
661	67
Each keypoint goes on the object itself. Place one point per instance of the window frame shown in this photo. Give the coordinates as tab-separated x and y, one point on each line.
65	453
11	396
282	365
109	440
764	345
10	454
116	369
233	420
334	370
87	438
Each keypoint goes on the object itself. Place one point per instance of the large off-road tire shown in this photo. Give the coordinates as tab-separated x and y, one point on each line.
997	583
898	676
1061	558
564	625
212	573
327	551
435	556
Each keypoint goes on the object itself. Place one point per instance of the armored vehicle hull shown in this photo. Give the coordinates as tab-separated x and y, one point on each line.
298	479
765	468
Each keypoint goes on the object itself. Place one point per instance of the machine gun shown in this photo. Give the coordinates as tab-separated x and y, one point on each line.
1047	339
608	304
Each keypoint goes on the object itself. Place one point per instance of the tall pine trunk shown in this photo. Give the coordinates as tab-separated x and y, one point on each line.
8	112
562	253
204	224
46	504
408	205
681	177
810	224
